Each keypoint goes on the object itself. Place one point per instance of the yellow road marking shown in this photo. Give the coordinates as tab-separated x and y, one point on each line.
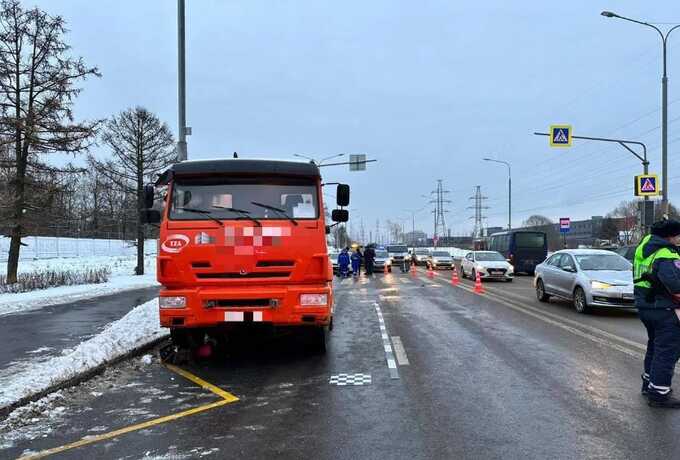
140	426
202	383
227	398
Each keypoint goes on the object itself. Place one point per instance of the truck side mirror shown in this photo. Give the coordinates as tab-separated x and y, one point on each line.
342	195
149	216
149	196
340	215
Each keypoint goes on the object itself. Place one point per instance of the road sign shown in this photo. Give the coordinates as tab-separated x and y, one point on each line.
560	135
646	185
565	224
357	162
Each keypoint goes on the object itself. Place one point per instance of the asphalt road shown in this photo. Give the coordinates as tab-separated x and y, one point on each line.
497	375
52	329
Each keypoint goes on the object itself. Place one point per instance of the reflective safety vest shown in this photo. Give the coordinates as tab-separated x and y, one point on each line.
642	266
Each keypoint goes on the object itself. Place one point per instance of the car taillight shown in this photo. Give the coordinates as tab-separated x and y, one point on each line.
309	300
172	302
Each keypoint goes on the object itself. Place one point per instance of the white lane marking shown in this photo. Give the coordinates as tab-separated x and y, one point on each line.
399	351
387	347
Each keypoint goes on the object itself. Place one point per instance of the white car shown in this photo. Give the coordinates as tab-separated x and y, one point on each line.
489	265
440	259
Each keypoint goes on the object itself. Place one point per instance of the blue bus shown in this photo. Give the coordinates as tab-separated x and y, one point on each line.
524	249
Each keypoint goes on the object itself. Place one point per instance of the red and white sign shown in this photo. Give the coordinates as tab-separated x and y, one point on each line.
565	223
175	243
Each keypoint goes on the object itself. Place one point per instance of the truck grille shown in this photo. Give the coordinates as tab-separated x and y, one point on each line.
237	275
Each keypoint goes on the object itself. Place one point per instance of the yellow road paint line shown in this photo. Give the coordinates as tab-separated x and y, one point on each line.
140	426
202	383
227	398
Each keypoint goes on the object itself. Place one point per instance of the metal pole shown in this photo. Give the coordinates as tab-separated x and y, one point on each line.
664	135
509	199
181	84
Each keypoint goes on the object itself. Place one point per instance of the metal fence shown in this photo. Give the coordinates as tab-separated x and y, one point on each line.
48	247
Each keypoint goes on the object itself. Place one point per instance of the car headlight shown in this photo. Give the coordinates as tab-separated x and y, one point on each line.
313	300
172	302
481	269
388	262
600	285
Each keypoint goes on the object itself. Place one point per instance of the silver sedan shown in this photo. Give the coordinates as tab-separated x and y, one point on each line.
588	277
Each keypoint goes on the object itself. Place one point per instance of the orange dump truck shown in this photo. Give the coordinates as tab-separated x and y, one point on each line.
243	244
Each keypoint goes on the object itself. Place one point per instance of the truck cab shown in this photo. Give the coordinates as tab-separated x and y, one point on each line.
241	242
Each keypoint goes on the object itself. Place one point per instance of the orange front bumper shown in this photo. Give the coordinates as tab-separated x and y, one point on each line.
284	308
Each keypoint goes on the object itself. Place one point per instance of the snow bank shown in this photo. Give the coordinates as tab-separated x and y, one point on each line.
137	328
121	280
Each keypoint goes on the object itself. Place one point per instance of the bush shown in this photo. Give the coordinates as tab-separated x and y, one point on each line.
51	278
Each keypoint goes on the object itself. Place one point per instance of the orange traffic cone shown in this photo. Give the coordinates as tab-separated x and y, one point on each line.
454	277
479	289
430	272
385	269
414	272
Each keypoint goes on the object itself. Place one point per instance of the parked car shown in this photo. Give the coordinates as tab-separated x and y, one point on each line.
440	259
627	252
398	253
489	265
382	260
420	256
587	277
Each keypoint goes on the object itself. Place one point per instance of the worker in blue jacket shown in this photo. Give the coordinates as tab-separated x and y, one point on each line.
656	274
343	263
356	262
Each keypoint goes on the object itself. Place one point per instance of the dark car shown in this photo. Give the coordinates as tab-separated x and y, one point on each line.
627	252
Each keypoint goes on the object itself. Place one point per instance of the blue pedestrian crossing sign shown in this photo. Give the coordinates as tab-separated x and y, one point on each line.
560	135
647	185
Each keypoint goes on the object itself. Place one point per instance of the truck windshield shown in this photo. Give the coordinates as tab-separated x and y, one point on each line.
234	200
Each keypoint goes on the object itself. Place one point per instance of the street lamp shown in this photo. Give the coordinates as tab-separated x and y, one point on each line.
320	162
664	105
509	188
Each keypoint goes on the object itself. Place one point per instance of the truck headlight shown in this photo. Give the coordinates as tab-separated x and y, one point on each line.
313	300
600	285
172	302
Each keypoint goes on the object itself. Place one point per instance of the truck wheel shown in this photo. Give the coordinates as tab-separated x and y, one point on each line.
318	339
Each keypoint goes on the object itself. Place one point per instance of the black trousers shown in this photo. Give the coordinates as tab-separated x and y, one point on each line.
369	266
663	344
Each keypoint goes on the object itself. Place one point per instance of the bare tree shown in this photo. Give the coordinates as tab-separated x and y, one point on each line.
37	78
537	221
141	146
628	214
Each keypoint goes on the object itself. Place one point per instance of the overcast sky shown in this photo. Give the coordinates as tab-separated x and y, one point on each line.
427	88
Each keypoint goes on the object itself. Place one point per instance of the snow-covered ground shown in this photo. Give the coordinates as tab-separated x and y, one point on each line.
138	327
47	247
121	279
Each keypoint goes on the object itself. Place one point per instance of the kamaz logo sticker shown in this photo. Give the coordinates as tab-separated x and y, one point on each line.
175	243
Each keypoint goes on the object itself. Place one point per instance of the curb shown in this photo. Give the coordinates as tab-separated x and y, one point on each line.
83	376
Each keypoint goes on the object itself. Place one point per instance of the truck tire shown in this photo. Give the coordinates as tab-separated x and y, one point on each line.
318	339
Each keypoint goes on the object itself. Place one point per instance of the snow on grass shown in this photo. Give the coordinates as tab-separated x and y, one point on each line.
121	279
138	327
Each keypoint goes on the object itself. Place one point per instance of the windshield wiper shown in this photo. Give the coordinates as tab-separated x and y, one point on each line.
272	208
204	212
244	214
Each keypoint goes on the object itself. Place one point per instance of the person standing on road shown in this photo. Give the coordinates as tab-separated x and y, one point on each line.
369	260
356	262
343	263
656	274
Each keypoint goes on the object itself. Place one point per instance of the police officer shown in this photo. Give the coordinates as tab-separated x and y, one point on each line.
656	273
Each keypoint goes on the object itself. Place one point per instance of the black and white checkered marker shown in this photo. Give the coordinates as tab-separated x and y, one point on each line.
350	379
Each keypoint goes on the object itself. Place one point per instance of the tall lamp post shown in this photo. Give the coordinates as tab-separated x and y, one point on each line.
509	188
664	105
